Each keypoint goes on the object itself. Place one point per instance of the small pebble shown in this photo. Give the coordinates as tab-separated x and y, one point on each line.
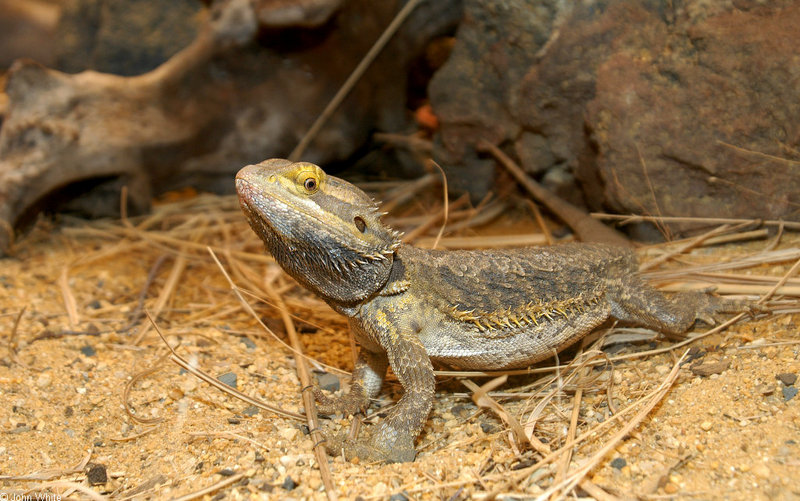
399	496
250	410
328	381
789	392
761	470
249	344
709	368
662	370
618	463
44	380
706	425
288	433
289	483
234	420
226	472
228	378
787	378
88	350
671	488
97	474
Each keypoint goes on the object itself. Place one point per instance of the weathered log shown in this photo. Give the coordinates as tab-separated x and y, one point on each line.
228	99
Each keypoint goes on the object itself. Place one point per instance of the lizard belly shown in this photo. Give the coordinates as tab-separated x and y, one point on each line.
463	345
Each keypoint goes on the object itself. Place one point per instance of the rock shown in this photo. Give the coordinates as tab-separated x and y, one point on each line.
224	100
787	378
124	37
328	381
44	380
288	483
96	474
676	111
228	378
288	433
708	368
668	136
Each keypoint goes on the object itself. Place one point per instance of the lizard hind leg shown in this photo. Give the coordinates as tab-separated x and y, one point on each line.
633	300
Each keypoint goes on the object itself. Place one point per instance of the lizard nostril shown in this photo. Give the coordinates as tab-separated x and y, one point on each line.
360	223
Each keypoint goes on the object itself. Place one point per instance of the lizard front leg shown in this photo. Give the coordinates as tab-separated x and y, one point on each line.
392	441
368	374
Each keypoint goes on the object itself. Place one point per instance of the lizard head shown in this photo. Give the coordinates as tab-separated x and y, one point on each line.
322	230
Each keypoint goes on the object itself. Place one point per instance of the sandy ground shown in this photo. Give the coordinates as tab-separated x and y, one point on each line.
66	364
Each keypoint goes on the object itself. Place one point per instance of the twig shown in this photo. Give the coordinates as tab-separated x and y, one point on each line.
249	309
633	218
407	191
351	81
563	467
537	214
308	398
746	289
664	229
759	154
586	228
485	242
412	235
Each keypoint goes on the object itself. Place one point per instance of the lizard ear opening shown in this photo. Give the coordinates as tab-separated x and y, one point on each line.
360	224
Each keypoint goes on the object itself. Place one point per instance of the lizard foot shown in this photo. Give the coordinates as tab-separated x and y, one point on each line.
377	448
710	308
348	404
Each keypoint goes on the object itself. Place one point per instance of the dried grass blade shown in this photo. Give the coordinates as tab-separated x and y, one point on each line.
482	399
566	485
685	247
166	293
218	384
127	391
211	488
71	486
635	218
249	309
308	398
69	298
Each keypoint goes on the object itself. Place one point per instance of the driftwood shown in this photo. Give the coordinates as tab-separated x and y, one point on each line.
247	88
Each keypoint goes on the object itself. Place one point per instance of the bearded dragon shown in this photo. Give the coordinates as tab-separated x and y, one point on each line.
407	306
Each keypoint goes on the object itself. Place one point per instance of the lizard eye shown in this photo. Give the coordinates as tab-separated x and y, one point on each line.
310	184
360	224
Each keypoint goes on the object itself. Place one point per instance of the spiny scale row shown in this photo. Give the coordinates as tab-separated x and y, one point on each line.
530	313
